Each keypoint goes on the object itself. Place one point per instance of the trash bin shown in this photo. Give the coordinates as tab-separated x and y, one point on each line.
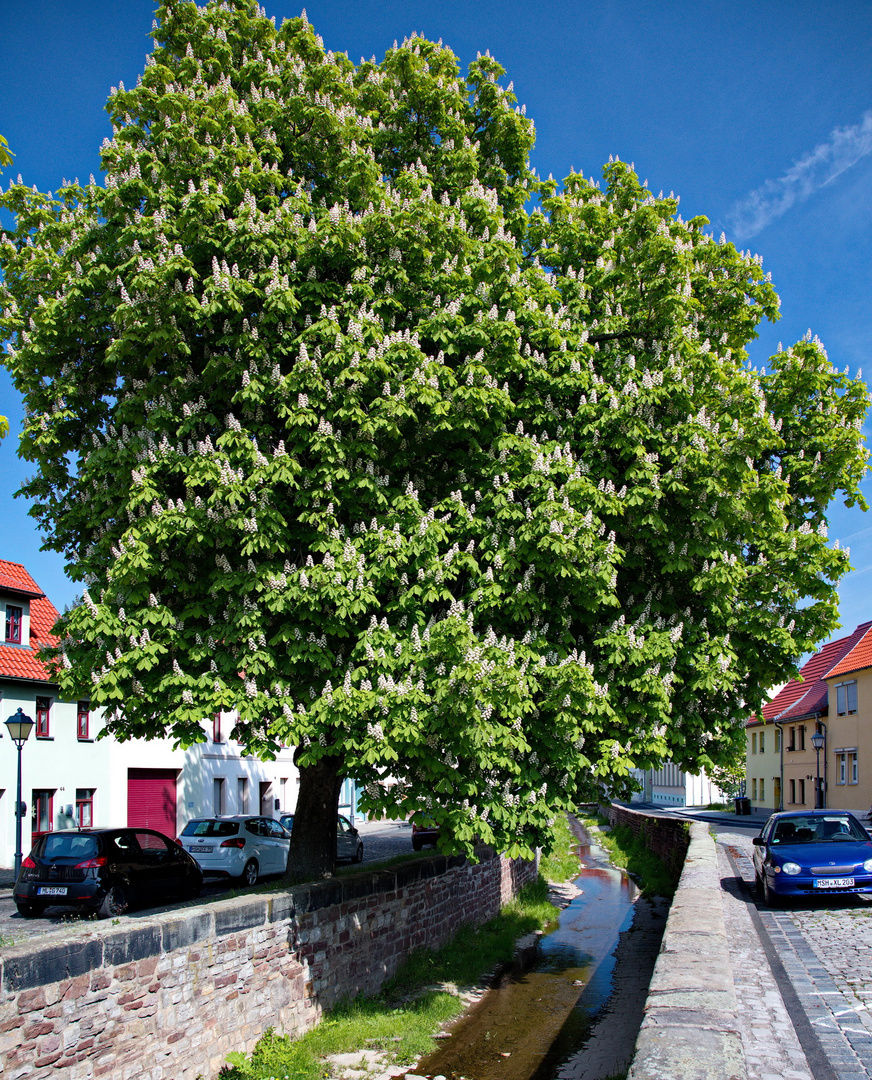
743	805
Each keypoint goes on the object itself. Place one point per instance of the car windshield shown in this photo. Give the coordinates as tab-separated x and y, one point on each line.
211	828
822	829
69	845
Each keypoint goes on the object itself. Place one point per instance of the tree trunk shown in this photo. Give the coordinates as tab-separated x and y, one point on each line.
313	839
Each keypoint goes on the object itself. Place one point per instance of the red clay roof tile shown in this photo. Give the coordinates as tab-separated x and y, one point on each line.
808	696
860	656
22	663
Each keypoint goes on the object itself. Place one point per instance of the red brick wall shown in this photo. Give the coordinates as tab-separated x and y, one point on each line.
167	997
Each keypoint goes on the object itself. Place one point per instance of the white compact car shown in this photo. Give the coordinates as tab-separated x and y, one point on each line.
240	846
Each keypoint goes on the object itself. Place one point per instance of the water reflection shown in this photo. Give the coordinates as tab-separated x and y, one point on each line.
530	1022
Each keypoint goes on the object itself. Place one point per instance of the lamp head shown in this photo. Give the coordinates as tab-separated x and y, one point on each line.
19	727
817	740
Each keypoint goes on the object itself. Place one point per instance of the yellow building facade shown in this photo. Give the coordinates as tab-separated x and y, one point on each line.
849	735
831	699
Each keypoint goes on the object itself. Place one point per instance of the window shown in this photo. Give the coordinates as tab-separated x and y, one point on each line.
791	743
242	795
846	697
13	625
793	791
802	792
853	771
841	769
218	796
41	801
778	740
776	791
762	790
762	743
85	807
83	719
802	739
216	727
754	789
754	743
43	709
154	847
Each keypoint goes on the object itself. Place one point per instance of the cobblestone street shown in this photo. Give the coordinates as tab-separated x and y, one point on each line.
805	974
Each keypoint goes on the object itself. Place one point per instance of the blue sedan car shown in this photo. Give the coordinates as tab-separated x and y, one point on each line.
811	853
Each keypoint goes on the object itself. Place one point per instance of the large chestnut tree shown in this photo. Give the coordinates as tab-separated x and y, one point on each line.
439	472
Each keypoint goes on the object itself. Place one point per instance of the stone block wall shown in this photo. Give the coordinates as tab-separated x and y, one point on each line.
666	836
167	997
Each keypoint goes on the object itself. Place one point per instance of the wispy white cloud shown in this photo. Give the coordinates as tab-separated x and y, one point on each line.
856	536
844	148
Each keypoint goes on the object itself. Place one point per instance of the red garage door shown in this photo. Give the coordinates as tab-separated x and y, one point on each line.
151	799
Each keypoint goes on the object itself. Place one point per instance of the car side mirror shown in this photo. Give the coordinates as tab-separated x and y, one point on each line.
758	841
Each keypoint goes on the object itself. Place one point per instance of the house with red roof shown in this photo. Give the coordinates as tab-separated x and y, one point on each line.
784	768
849	737
70	777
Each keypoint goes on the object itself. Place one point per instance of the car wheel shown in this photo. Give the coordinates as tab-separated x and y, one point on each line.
358	855
249	874
770	898
30	911
416	843
114	903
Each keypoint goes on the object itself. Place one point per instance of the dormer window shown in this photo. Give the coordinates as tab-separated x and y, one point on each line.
13	625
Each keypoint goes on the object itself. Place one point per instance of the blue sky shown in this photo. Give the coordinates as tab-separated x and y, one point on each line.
758	115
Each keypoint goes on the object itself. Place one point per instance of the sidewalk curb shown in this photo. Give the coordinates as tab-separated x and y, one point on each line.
691	1028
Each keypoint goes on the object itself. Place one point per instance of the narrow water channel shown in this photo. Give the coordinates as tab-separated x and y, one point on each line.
575	1013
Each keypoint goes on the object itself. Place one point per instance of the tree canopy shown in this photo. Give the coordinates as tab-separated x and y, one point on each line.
431	468
5	159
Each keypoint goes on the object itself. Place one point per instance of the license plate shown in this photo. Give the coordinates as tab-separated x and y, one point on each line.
201	850
834	883
52	890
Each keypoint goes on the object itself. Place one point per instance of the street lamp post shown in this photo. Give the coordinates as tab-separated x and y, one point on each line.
817	741
19	727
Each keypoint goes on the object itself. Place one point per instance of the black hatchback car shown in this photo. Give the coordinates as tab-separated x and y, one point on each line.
104	871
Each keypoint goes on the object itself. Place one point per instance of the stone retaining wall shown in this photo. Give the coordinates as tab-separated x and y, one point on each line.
167	997
667	837
690	1029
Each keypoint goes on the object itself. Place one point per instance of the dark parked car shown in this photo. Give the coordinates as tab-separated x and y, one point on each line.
424	831
810	853
104	871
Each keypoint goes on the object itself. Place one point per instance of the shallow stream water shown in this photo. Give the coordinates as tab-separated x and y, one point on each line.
575	1012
